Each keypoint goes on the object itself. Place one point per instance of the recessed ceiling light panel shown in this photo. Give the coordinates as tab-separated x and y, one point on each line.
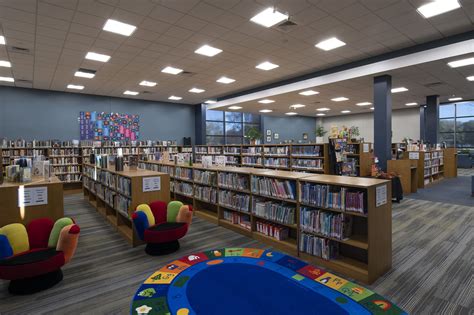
265	111
75	87
119	27
196	90
130	92
308	93
411	104
210	102
7	79
6	64
267	65
320	114
175	98
297	106
323	109
148	83
97	57
85	73
461	62
269	17
207	50
266	101
339	99
2	40
453	99
330	44
172	70
364	104
399	89
438	7
291	113
225	80
470	78
372	108
235	107
345	111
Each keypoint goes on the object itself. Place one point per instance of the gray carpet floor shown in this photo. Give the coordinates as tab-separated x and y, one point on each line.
433	249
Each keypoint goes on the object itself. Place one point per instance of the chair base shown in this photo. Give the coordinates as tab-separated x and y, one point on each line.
159	249
35	284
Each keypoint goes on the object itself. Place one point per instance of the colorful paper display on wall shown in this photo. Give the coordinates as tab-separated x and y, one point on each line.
109	126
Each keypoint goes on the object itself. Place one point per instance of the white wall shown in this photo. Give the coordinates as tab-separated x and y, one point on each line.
405	123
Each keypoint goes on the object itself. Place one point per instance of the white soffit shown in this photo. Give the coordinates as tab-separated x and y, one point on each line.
429	55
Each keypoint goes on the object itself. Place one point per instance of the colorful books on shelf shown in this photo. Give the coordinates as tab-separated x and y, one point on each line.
183	188
335	225
277	162
205	193
122	204
278	212
237	218
276	150
317	246
233	181
273	187
184	173
252	150
276	231
317	164
124	185
251	161
234	200
205	177
333	197
307	150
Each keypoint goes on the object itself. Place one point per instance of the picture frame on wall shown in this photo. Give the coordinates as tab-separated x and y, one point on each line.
305	136
269	132
269	138
276	136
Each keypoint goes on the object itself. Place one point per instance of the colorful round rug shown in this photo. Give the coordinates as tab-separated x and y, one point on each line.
248	281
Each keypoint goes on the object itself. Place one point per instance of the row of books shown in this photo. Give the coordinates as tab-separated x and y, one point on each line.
66	151
64	160
233	181
278	212
205	177
267	186
281	162
333	197
252	150
69	178
184	173
124	185
313	150
352	148
251	160
326	223
214	150
109	197
23	152
231	159
234	200
237	218
232	150
276	231
205	193
122	204
276	150
183	188
67	169
318	246
21	143
107	178
308	164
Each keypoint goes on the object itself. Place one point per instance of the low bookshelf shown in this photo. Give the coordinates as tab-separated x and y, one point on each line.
116	194
430	165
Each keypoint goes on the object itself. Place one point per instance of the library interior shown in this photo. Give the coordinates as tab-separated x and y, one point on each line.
236	157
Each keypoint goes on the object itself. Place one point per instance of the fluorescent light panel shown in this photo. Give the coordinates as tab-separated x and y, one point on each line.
148	83
320	114
207	50
269	17
118	27
339	99
196	90
7	79
461	62
2	40
345	111
372	108
75	87
267	65
470	78
291	113
297	105
265	111
172	70
438	7
235	107
84	74
225	80
364	103
266	101
175	98
323	109
330	44
130	92
6	64
411	104
452	99
399	89
97	57
210	102
308	93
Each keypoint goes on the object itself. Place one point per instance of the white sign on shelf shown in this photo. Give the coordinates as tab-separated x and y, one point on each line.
380	195
32	196
151	183
365	148
414	155
206	161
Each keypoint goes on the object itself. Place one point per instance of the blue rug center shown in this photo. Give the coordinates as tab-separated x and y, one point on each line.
234	288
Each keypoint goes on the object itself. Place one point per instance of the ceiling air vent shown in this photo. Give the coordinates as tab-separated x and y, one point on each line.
147	92
434	84
19	50
286	26
21	81
187	73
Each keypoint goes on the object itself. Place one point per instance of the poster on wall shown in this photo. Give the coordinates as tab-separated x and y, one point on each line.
109	126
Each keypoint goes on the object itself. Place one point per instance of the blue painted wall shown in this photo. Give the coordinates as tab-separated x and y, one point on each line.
41	114
289	128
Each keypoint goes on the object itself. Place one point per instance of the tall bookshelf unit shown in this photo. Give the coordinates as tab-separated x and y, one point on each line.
430	165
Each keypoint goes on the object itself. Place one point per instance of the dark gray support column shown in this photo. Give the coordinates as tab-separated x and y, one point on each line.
422	123
200	124
383	119
431	119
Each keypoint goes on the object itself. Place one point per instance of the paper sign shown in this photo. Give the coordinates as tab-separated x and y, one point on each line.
33	196
151	183
414	155
206	161
366	148
380	195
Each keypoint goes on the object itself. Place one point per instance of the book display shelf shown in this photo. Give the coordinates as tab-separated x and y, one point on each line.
353	158
340	222
116	194
66	162
431	165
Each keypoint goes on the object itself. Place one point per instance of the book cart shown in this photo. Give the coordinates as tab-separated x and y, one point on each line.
115	195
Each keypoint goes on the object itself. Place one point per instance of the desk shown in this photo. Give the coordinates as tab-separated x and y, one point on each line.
10	212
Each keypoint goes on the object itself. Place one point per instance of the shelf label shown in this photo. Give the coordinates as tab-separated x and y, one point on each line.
380	195
414	155
365	148
151	183
32	196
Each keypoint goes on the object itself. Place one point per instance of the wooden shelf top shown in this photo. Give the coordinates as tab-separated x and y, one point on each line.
35	181
345	180
284	174
130	173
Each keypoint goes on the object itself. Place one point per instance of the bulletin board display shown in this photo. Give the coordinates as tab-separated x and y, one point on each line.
109	126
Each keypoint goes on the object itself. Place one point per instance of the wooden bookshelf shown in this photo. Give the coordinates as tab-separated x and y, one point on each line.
430	165
450	163
407	171
116	194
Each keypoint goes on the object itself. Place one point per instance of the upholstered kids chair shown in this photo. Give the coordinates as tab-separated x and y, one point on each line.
32	257
160	225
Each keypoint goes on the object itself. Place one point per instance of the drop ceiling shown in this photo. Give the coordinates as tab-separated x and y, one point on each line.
59	33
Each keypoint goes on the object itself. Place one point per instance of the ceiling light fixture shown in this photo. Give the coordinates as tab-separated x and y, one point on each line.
6	64
399	89
265	111
207	50
175	98
291	113
75	87
225	80
210	102
372	108
172	70
269	17
2	40
297	106
119	27
308	93
7	79
196	90
345	111
330	44
470	78
364	103
266	65
235	107
130	92
461	62
453	99
320	114
411	104
266	101
323	109
85	73
97	57
438	7
147	83
339	99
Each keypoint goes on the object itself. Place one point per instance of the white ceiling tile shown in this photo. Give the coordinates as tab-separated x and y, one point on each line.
181	6
97	8
138	7
179	32
192	23
89	20
165	14
68	4
206	12
55	11
84	30
52	22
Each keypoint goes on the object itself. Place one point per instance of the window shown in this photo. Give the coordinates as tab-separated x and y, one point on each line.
456	124
229	127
